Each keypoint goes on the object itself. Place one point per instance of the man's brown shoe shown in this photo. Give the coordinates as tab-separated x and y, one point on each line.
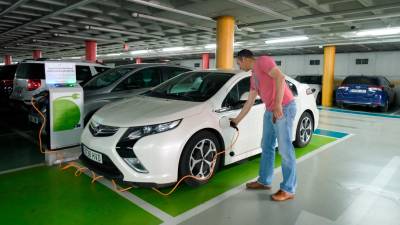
280	196
257	186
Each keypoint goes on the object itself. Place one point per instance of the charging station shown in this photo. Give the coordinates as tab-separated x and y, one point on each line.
65	121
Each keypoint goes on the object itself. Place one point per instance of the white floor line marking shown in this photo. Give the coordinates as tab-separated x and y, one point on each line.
395	113
135	200
21	168
220	198
359	208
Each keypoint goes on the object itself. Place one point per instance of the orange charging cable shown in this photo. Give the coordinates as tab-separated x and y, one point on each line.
81	169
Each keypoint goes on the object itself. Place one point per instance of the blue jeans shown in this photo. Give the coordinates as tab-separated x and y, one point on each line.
281	130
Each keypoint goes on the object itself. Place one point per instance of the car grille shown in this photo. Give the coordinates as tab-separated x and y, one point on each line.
99	130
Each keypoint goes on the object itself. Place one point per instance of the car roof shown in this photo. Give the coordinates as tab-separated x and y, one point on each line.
145	65
228	71
64	61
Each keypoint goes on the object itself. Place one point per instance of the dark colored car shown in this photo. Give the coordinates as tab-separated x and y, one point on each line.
123	82
372	91
7	74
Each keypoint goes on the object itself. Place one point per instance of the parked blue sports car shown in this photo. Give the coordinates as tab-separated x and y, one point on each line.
372	91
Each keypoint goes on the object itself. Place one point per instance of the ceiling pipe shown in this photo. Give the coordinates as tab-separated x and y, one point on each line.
120	32
262	9
306	21
88	38
170	9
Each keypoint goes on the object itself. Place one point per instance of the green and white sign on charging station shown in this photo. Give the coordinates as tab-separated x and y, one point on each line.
66	105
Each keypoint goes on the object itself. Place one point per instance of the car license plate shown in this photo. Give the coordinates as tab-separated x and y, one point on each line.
358	91
97	157
34	119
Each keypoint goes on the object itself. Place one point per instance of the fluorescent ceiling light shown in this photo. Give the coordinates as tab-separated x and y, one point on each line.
379	32
139	52
159	19
114	54
210	46
214	46
174	49
286	39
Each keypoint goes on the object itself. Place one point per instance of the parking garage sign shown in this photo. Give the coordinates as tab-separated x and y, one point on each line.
60	73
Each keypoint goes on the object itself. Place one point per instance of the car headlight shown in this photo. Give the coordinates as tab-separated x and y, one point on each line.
135	133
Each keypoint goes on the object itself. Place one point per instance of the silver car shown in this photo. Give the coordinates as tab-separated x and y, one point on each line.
125	81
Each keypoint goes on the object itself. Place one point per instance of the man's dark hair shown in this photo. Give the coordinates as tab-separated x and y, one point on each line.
245	53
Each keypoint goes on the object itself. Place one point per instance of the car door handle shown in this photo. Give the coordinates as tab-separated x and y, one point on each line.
223	109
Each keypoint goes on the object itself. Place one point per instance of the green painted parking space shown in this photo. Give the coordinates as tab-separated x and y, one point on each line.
186	198
48	195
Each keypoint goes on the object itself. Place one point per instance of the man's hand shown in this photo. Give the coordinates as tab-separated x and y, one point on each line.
234	120
278	112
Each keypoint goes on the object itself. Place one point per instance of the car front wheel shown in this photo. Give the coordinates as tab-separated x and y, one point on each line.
304	131
197	158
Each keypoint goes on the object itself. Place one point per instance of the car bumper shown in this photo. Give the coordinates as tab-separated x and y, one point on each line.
159	154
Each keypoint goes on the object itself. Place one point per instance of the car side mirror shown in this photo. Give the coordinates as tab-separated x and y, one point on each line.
313	90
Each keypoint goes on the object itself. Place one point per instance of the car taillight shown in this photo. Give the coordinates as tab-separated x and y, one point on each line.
33	84
344	88
375	88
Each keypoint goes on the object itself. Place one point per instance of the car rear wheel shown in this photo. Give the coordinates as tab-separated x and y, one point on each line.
385	108
197	158
305	129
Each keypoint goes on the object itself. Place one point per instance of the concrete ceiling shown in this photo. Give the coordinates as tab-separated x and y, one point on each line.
59	27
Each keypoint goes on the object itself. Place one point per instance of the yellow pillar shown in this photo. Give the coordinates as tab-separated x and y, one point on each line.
225	39
328	76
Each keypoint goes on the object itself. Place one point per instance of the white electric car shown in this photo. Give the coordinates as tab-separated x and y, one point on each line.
176	128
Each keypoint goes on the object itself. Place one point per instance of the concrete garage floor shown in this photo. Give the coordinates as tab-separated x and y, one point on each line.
356	181
353	180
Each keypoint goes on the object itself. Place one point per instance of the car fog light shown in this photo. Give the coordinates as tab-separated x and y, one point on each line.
135	164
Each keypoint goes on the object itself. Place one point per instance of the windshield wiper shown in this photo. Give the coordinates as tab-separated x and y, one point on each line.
179	96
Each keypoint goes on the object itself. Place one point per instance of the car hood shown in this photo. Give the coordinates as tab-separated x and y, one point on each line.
142	110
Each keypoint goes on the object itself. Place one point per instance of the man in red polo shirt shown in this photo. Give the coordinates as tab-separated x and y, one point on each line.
268	82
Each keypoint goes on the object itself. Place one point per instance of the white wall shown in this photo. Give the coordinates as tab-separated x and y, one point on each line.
380	63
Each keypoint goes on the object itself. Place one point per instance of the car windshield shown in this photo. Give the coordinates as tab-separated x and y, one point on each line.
309	79
361	80
8	72
191	86
107	78
30	71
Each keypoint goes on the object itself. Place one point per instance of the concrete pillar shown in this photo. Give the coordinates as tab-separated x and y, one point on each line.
225	40
205	58
328	79
91	50
7	59
37	54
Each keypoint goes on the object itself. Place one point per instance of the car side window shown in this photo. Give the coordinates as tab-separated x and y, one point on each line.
170	72
145	78
233	98
292	87
83	73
